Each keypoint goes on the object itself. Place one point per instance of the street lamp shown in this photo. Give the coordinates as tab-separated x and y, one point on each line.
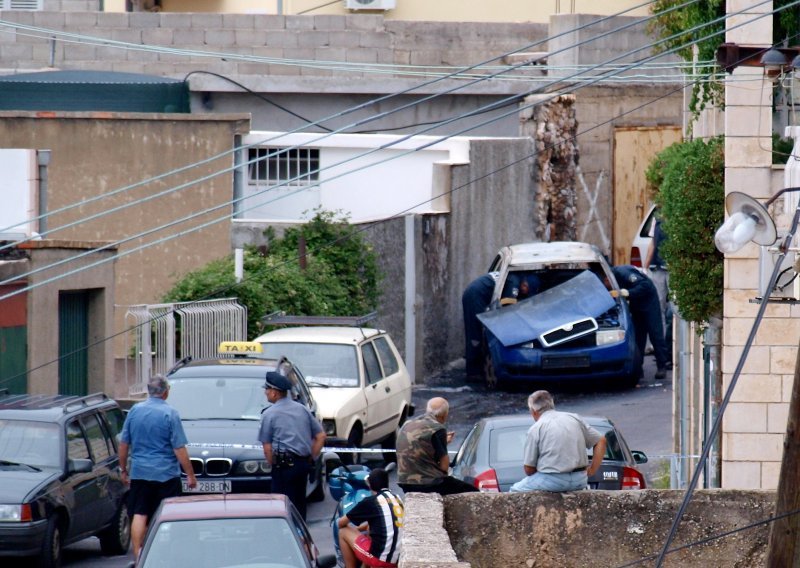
748	220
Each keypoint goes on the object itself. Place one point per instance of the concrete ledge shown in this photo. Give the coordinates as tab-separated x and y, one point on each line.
425	542
585	528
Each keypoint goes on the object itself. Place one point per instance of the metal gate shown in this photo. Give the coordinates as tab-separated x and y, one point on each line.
162	334
73	339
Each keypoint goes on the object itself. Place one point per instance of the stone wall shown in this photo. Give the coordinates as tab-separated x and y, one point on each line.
585	528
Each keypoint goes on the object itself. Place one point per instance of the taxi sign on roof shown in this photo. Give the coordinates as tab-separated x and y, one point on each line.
239	348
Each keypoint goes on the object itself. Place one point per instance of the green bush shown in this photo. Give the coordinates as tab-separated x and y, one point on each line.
688	181
341	275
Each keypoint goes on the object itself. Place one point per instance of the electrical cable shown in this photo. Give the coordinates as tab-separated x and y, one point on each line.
366	227
254	93
237	200
63	275
362	155
712	538
330	117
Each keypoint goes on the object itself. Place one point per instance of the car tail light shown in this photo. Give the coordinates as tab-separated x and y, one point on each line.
632	479
487	482
636	257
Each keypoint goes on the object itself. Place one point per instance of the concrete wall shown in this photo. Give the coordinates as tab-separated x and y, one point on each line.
584	528
98	153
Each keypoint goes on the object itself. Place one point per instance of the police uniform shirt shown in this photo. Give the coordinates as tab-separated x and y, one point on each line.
289	426
557	442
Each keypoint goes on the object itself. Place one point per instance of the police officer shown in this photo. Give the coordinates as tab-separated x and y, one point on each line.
292	439
646	313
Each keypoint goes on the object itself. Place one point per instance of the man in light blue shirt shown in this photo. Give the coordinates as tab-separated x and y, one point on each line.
555	449
154	437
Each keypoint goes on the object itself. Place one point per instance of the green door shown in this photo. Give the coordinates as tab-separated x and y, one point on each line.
73	334
14	359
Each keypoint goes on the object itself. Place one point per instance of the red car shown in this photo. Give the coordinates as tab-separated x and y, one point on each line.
216	530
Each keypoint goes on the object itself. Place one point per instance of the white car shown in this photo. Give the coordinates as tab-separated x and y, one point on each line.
356	376
643	239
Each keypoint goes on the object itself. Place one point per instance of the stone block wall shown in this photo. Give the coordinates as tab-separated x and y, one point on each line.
357	38
755	422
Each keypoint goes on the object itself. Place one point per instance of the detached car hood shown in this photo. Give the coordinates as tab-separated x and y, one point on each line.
334	400
17	482
579	298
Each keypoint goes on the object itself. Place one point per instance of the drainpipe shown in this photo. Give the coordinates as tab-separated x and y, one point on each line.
682	400
42	162
410	297
711	389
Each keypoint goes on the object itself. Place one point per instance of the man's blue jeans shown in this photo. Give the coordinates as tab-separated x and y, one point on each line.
556	482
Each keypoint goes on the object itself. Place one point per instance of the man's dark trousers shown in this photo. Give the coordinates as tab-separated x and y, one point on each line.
291	481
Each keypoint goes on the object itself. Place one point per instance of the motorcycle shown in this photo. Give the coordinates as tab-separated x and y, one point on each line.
347	485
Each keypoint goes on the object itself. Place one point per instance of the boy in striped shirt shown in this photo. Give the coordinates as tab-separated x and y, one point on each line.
378	519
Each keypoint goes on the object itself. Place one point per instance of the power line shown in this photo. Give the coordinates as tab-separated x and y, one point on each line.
367	227
331	117
364	154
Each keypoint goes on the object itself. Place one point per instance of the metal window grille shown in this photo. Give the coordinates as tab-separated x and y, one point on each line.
20	4
273	166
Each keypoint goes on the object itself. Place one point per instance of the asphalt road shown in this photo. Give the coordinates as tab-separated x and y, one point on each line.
644	415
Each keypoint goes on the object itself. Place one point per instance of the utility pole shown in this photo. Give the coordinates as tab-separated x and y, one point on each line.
784	538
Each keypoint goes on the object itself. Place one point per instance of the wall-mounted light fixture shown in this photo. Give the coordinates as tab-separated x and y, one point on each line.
774	62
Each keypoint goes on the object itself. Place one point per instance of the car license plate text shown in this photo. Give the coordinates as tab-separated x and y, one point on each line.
216	486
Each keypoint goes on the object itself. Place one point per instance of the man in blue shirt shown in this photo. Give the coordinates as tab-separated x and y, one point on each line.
154	436
292	438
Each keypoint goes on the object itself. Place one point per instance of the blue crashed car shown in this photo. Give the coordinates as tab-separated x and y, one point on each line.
557	314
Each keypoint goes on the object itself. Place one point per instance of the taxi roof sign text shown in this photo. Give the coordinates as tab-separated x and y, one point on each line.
239	347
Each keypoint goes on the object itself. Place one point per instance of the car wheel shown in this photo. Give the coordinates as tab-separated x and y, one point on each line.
488	371
354	441
390	443
50	555
318	494
116	539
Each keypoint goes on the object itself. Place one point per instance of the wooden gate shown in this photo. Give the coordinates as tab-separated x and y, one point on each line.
634	149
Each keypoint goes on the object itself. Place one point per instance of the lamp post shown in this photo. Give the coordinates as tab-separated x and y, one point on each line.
749	220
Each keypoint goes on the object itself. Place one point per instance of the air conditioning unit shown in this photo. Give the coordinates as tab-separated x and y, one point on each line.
787	287
371	4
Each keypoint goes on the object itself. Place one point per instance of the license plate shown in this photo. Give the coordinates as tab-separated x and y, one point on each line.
216	486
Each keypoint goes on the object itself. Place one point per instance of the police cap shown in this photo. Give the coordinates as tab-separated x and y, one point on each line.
277	381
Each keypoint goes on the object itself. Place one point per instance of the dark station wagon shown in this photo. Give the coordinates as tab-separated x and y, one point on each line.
60	479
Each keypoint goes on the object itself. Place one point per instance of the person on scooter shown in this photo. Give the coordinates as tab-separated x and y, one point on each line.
381	515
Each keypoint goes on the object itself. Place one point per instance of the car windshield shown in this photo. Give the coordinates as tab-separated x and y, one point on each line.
329	364
220	543
30	443
198	398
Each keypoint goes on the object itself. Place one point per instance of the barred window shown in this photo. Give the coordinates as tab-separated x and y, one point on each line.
273	166
20	4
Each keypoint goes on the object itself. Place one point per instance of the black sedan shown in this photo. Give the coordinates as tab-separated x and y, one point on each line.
491	455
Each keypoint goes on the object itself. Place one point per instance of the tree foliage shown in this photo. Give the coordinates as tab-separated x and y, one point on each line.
688	181
340	278
698	27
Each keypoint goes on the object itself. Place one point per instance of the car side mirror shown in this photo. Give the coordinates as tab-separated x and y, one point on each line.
639	456
326	561
79	466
